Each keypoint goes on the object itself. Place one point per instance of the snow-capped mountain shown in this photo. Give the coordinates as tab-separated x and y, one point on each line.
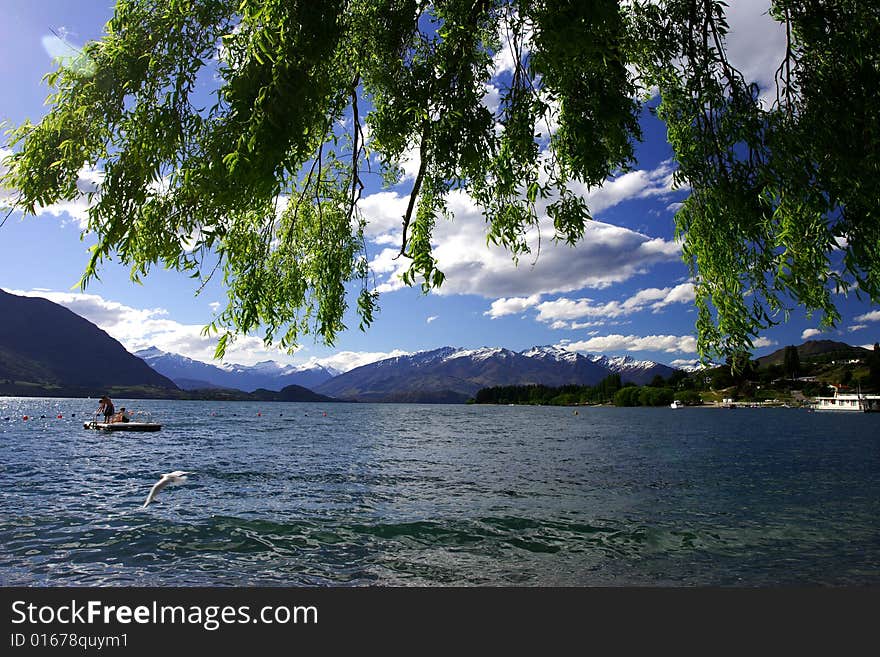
640	372
449	374
192	374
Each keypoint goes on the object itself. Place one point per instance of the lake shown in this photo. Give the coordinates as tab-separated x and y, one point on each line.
293	494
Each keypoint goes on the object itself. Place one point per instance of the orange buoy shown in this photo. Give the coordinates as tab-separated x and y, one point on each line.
59	416
24	417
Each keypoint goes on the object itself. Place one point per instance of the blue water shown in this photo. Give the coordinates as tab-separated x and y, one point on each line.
372	494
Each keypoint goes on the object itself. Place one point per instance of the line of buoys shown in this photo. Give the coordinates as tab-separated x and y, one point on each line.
25	418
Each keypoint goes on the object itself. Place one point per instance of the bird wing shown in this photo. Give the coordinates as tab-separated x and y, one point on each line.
157	487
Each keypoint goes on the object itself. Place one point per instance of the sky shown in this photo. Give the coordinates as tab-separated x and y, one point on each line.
623	290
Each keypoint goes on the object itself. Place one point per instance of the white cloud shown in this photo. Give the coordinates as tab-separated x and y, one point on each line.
59	49
755	43
632	185
685	362
504	60
431	319
810	332
348	360
67	55
764	342
683	293
873	316
667	343
606	255
857	327
491	98
511	306
655	298
384	214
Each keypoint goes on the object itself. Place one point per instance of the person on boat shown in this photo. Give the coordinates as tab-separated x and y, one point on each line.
106	409
121	416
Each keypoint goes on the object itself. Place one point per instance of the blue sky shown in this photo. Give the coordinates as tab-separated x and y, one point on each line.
623	290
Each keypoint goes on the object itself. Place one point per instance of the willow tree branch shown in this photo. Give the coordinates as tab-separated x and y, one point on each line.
417	185
357	186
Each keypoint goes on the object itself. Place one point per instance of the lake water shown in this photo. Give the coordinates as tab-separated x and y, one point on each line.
369	494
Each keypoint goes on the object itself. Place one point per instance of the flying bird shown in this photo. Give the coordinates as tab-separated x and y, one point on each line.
173	478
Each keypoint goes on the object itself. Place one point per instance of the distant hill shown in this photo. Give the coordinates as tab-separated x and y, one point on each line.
292	393
191	374
45	345
813	349
451	375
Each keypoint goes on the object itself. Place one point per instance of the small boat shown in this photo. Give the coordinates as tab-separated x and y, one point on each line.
122	426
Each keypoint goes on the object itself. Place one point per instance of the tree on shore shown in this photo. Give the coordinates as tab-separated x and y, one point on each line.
874	366
791	362
262	184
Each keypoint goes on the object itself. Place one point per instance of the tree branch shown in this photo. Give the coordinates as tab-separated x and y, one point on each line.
423	152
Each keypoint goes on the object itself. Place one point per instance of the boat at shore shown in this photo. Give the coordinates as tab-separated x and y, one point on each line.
848	402
122	426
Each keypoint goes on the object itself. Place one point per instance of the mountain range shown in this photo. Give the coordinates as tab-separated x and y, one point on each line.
191	374
47	349
450	375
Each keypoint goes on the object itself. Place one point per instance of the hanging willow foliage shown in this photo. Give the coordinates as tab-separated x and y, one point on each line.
262	182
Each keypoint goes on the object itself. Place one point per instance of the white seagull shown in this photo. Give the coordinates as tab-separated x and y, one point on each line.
173	478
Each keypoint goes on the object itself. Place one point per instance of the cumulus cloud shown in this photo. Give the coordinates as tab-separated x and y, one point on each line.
431	319
755	43
615	342
606	255
642	183
810	332
873	316
511	306
654	298
764	342
383	212
857	327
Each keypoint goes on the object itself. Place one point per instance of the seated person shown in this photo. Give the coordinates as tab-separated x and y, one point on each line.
122	415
